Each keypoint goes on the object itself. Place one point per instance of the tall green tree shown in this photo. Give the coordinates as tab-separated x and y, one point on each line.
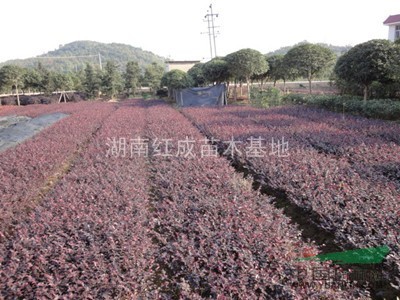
78	78
91	81
261	77
216	71
197	74
246	63
394	69
61	82
276	69
32	80
152	76
280	70
367	62
132	77
175	80
45	78
11	76
308	60
111	79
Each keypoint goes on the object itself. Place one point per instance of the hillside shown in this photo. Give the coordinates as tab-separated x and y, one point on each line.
338	50
120	53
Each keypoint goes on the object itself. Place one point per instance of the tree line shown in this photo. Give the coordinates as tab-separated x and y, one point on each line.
109	81
371	69
248	65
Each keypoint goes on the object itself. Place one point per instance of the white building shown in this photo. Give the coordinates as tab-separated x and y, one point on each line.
394	27
183	65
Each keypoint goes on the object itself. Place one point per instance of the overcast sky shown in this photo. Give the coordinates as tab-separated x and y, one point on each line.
172	28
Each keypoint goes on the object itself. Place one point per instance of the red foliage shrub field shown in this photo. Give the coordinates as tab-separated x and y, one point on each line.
88	238
343	169
136	211
6	110
222	239
28	167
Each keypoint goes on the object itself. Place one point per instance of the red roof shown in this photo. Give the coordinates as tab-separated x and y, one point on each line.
392	19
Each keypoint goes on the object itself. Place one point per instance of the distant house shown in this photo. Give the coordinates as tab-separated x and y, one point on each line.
183	65
394	27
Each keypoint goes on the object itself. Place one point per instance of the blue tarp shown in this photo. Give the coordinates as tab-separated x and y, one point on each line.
202	96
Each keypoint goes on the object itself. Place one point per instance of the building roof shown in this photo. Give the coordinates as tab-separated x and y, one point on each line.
392	20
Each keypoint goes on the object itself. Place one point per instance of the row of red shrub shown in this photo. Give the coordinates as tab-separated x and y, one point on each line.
35	110
337	168
372	147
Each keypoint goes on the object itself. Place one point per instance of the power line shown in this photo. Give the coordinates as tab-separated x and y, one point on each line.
74	56
62	57
101	66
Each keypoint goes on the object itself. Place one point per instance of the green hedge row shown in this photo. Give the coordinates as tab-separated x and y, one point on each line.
266	98
380	109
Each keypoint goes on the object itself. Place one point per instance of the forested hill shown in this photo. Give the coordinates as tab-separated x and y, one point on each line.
119	53
338	50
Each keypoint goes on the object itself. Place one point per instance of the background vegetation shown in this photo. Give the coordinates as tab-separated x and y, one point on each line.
370	70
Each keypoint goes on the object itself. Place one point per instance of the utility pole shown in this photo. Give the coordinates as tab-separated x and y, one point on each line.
213	29
101	66
209	35
210	16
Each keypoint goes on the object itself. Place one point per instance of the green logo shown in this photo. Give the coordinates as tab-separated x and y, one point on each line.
359	256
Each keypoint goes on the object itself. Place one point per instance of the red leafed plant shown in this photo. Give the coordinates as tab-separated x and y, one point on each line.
137	227
344	169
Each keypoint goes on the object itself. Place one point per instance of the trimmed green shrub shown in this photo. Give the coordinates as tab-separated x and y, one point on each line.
266	98
386	109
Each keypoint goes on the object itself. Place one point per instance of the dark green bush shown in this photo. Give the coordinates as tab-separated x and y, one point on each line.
162	92
147	95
